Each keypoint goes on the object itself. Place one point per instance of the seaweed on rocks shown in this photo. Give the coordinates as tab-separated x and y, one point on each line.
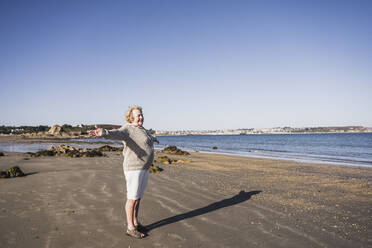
12	172
107	148
164	160
67	151
155	169
174	150
42	153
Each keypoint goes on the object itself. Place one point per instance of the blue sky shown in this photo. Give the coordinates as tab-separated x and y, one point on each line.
190	64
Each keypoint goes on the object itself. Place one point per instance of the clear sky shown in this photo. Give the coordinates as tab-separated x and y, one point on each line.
190	64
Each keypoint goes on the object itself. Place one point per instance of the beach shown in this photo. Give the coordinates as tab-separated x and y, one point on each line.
213	201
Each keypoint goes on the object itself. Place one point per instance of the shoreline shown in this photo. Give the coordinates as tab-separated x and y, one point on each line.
299	161
296	157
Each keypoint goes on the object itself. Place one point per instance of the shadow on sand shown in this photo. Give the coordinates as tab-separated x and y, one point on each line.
239	198
30	173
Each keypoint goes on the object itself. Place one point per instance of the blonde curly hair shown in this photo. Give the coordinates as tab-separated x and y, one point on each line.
129	115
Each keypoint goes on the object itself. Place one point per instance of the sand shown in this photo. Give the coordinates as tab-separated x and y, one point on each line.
214	201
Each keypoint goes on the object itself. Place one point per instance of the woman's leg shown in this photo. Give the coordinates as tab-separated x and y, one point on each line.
135	214
136	185
130	207
129	210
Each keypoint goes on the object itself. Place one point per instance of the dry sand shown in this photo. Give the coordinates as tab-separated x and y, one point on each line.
214	201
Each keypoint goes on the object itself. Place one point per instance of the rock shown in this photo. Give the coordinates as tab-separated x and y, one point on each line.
12	172
214	148
174	150
92	153
164	160
1	154
155	169
15	172
67	151
42	153
55	130
107	148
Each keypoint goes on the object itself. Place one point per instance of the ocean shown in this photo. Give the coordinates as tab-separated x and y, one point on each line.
352	149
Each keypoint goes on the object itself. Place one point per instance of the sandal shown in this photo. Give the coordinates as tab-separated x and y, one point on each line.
134	234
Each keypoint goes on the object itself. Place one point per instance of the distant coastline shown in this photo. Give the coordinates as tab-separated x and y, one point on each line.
81	131
216	134
276	130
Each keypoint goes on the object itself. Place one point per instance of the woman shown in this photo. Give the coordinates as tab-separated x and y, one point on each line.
138	156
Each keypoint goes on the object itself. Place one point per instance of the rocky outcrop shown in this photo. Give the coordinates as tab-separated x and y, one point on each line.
59	132
107	148
12	172
55	130
155	169
174	150
166	160
67	151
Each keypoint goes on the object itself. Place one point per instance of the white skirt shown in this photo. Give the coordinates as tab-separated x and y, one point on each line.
136	181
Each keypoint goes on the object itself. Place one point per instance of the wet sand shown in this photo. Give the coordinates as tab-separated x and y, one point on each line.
214	201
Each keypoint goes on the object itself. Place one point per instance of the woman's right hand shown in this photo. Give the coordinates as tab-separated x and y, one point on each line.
95	133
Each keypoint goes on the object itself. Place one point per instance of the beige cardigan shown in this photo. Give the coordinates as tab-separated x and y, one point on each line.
138	146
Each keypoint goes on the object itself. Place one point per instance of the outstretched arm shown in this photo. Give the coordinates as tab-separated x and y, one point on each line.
115	134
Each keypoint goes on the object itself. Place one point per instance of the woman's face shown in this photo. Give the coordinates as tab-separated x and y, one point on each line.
137	118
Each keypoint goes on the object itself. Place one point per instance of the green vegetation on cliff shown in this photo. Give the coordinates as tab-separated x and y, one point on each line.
22	129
